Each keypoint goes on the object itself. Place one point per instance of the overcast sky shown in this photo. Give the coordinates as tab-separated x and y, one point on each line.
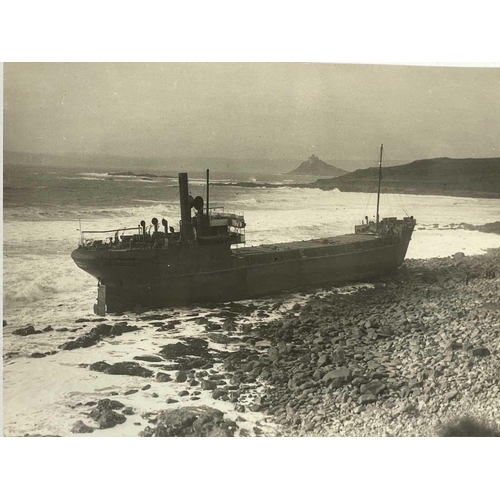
251	110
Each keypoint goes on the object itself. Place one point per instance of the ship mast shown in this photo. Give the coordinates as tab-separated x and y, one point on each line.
208	194
379	182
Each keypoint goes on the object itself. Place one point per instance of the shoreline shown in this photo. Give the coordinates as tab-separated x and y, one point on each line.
413	353
400	190
400	356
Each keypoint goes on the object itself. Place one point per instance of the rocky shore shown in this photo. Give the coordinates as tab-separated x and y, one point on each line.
403	356
490	227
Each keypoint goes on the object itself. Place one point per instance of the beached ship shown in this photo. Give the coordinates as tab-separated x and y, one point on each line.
197	264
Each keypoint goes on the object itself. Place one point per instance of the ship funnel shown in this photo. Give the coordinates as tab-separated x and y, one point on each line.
187	225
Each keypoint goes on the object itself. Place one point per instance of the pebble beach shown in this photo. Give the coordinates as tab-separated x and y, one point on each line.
401	356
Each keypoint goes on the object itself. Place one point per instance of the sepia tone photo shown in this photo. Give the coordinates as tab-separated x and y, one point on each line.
251	249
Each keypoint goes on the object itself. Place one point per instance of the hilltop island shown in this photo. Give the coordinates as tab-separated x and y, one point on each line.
315	166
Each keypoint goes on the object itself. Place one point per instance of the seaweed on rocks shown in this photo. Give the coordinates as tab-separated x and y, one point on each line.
155	317
42	354
98	333
105	415
200	421
81	428
122	368
149	358
191	353
25	331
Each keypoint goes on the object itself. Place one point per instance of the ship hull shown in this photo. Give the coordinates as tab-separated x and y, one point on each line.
147	279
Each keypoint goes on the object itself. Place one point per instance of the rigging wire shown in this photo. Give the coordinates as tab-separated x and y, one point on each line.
367	202
387	194
399	198
370	193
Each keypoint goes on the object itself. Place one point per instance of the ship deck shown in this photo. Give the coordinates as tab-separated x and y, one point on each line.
346	239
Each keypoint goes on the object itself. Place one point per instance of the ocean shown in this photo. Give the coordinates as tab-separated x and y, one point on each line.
44	208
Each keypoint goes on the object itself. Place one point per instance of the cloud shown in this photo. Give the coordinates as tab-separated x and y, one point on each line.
250	110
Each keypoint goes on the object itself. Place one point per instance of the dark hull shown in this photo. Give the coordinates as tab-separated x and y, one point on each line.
172	277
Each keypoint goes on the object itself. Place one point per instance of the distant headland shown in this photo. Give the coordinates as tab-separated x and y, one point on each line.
463	177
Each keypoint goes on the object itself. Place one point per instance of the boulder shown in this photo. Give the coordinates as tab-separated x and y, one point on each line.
208	385
229	325
149	359
122	368
191	421
100	366
342	374
365	399
414	383
105	415
218	393
220	338
89	339
80	428
122	327
130	368
273	354
110	418
191	353
163	377
247	367
213	326
23	332
375	387
181	377
480	352
450	395
322	361
106	404
469	427
220	432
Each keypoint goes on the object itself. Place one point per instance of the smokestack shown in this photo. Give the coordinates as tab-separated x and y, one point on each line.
186	228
